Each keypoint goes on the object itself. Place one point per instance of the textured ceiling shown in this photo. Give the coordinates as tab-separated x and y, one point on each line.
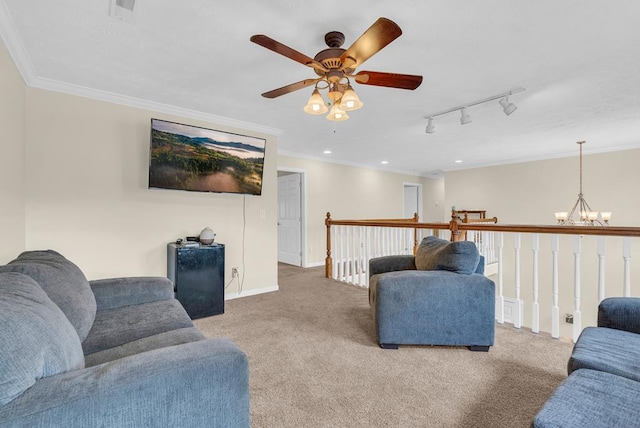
577	61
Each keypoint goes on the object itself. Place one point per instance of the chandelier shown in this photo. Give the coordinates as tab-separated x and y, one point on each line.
341	95
586	216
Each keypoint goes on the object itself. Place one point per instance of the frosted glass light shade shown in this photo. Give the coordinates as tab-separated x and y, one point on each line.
316	104
350	100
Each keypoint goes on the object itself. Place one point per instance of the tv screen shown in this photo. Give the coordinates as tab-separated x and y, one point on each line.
185	157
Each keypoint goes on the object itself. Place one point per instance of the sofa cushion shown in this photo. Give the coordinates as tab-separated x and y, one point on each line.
607	350
439	254
115	327
63	282
36	338
156	341
591	399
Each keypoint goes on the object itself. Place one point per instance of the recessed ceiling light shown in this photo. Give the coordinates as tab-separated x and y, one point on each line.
458	161
327	152
384	162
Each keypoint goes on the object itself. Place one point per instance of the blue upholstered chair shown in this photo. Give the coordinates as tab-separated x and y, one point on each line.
603	386
438	297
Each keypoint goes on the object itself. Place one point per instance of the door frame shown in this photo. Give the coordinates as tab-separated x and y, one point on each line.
303	210
420	200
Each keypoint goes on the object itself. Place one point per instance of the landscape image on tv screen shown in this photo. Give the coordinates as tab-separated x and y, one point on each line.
185	157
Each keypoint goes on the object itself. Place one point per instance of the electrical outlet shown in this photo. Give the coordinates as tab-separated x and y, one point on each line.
234	272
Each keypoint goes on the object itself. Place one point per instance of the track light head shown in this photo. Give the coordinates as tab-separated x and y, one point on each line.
507	107
430	127
464	116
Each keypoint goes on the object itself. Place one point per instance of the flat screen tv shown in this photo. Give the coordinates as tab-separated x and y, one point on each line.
185	157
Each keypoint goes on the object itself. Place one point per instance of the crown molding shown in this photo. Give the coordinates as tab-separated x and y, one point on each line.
20	57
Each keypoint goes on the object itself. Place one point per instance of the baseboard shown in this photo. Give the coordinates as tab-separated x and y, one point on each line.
314	264
251	292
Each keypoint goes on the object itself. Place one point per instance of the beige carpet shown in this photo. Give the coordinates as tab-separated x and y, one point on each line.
314	363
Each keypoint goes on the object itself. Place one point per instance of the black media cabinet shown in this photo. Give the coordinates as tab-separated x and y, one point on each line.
197	273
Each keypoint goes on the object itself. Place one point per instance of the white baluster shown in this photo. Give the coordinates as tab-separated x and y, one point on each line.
535	316
577	314
601	287
367	254
517	322
334	238
500	297
359	242
626	254
555	309
341	258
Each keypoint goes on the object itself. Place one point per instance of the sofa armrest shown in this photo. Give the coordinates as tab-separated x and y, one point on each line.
117	292
196	384
620	313
391	264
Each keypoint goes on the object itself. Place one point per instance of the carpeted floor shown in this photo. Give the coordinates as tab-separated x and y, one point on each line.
314	362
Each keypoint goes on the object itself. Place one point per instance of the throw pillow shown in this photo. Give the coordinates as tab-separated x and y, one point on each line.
63	282
439	254
37	338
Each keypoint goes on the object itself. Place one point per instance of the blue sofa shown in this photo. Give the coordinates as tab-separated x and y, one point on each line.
438	297
603	385
109	353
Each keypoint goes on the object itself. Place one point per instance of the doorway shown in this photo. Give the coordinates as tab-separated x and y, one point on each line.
290	217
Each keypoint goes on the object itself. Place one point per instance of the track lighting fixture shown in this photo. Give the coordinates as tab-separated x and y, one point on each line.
465	117
430	127
507	107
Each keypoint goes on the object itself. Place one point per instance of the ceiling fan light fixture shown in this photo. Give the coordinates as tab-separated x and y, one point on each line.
350	100
464	116
507	107
430	127
336	114
316	104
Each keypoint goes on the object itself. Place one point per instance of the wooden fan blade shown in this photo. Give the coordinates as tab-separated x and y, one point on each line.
379	35
277	47
290	88
390	80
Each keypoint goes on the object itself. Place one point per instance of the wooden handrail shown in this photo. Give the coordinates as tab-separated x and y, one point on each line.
457	228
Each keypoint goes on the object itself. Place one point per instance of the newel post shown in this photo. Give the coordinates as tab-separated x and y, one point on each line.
453	226
328	262
416	219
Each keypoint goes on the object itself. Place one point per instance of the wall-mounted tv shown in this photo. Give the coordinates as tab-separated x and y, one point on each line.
185	157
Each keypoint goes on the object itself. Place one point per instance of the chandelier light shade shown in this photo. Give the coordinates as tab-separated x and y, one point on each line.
465	117
586	216
316	104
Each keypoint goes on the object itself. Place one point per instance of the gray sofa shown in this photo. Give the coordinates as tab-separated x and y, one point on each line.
109	353
603	386
438	297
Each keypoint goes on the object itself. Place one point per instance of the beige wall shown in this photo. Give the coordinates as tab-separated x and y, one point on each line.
12	163
87	195
349	192
530	193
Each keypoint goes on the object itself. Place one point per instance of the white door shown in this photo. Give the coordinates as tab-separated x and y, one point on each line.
289	219
411	200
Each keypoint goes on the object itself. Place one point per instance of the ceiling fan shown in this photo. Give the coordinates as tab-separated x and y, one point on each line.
336	66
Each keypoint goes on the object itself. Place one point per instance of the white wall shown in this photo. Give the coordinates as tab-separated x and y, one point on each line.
349	192
12	159
530	193
87	195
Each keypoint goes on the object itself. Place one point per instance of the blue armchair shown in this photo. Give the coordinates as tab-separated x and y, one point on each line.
603	386
438	297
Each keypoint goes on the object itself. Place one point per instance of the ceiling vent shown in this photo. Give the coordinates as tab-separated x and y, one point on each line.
122	9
